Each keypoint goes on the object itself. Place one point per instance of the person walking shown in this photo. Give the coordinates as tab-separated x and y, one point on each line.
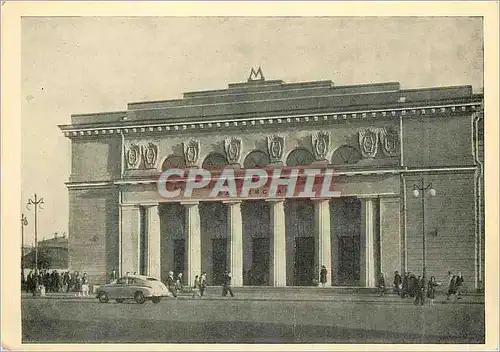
226	284
405	286
196	287
451	285
397	283
381	285
459	285
419	290
85	285
180	286
203	284
322	276
431	289
171	284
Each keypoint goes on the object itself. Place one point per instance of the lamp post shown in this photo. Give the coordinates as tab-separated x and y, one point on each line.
37	202
419	190
24	222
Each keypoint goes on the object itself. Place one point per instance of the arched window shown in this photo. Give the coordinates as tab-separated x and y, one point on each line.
300	157
255	159
214	161
346	155
173	162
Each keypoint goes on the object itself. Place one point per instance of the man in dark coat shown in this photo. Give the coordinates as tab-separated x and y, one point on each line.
405	286
322	275
226	285
419	290
412	287
397	283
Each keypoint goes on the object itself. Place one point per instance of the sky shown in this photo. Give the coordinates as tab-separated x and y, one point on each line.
72	65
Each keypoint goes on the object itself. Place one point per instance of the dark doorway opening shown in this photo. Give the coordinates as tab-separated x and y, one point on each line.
258	275
304	261
219	259
349	270
179	252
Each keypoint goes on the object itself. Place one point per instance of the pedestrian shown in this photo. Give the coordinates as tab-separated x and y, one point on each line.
431	289
459	285
405	286
112	276
78	284
203	283
67	281
179	284
171	284
226	284
451	285
85	285
397	283
412	287
322	275
196	287
419	290
381	285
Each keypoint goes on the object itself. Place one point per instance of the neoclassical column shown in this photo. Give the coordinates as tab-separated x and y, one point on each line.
129	238
323	236
154	241
368	223
193	240
235	243
277	268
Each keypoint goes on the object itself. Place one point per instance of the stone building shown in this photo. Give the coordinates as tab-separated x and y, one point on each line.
379	140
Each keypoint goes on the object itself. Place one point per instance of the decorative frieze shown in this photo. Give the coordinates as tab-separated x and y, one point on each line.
320	144
140	156
368	142
369	139
275	147
191	152
232	146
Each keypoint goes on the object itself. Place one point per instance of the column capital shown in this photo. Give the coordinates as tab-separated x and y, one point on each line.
188	203
275	200
231	202
320	199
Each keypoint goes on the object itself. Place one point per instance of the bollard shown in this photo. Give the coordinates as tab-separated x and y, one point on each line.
42	291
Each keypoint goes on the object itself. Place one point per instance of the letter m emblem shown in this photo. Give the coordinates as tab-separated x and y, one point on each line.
256	75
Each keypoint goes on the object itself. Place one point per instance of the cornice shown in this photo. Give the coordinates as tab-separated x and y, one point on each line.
118	128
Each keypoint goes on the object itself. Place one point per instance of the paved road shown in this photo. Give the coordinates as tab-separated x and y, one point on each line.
68	319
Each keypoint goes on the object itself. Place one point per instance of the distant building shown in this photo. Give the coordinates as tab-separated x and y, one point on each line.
54	249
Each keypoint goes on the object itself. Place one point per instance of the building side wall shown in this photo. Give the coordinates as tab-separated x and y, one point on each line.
390	237
95	159
93	232
449	226
438	141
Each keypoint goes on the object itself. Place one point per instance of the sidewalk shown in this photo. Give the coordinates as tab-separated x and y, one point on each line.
214	293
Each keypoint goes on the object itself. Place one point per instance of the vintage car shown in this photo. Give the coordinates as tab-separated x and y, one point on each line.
138	287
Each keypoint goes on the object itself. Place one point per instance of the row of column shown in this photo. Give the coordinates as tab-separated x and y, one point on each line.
130	218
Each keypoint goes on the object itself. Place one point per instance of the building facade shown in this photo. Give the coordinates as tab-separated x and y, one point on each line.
378	139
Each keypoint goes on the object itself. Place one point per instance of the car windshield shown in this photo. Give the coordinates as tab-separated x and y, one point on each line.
152	279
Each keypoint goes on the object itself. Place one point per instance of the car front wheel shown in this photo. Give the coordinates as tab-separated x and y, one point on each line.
103	297
139	297
156	299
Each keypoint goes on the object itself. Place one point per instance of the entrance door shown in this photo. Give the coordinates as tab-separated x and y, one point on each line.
304	261
219	259
179	250
349	270
259	272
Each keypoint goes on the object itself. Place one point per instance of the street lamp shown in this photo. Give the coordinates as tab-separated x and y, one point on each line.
37	202
24	222
419	191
